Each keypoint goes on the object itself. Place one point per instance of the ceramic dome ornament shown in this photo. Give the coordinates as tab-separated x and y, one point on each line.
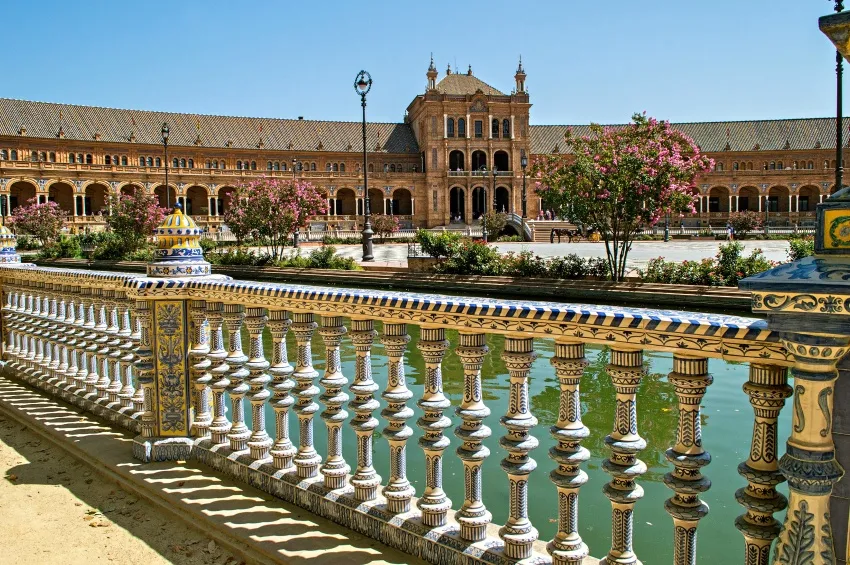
178	250
8	246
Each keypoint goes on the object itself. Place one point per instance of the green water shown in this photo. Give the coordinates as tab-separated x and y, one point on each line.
726	419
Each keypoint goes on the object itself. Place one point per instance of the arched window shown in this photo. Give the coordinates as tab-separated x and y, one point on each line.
215	164
283	166
14	154
52	157
191	163
312	166
141	161
336	167
253	165
461	127
42	156
33	156
89	159
123	160
735	166
277	165
450	127
399	168
175	162
4	154
495	127
718	167
80	158
208	164
328	167
158	162
392	168
826	164
269	166
223	164
772	166
371	168
72	158
780	166
342	167
115	159
150	162
750	166
811	165
107	160
182	163
506	128
239	165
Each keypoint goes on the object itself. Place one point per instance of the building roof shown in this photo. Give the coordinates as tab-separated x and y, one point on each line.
85	123
753	135
465	84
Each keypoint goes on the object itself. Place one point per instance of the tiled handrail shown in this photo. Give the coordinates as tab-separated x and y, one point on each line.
141	351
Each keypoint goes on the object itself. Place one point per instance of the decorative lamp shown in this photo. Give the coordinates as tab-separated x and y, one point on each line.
8	246
178	250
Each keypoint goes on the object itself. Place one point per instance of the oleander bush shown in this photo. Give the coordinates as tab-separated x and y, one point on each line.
724	269
800	248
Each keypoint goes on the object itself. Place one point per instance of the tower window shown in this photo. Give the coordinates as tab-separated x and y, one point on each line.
495	128
479	128
506	128
450	127
461	127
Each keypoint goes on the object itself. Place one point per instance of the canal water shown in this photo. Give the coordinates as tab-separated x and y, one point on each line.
726	419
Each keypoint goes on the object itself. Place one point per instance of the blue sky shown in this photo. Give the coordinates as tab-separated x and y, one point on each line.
587	60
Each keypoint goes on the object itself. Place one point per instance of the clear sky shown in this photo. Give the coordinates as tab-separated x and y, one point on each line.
587	60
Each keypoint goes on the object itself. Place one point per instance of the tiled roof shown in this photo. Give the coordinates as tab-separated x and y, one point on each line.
465	84
765	135
42	120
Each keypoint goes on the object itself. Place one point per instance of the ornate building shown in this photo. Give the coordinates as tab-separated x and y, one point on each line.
458	151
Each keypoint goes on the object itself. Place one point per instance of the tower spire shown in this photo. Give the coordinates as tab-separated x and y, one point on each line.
520	77
432	74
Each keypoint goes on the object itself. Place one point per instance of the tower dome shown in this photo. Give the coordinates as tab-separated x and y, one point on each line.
8	246
178	249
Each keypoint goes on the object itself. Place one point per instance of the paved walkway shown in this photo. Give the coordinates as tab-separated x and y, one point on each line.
56	509
641	253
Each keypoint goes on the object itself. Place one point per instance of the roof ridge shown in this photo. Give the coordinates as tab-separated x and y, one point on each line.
58	104
705	122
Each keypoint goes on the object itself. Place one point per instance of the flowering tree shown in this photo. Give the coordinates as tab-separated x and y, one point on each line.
42	220
134	217
619	179
273	209
384	225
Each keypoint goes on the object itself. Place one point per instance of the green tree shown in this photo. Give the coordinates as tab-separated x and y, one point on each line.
619	179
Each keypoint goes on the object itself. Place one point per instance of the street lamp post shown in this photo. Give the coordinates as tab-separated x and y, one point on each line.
484	212
165	133
667	227
523	161
495	204
362	86
294	164
839	142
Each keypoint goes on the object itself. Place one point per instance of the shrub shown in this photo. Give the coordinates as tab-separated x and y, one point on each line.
66	247
523	264
725	269
27	243
208	245
331	240
471	258
384	225
44	220
567	267
510	238
111	247
745	222
439	245
495	222
800	248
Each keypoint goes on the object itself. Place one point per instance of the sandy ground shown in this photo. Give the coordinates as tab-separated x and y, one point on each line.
54	509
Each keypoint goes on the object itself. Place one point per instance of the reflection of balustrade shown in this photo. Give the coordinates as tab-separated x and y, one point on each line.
75	333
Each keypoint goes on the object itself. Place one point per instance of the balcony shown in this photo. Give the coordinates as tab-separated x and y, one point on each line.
151	358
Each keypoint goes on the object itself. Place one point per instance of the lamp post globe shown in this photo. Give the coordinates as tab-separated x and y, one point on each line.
362	86
165	132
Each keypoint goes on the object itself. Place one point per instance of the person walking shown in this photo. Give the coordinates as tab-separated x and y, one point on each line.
730	232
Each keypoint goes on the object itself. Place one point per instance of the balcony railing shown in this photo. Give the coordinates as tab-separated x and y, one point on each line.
150	355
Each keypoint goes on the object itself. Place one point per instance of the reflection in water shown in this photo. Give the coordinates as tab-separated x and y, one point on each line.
727	421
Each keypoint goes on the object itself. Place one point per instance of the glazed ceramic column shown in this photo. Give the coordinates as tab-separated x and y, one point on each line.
113	358
126	349
98	379
60	364
84	341
398	491
306	460
809	462
690	380
234	316
567	547
259	443
145	367
200	363
767	388
473	515
72	334
281	371
434	503
50	345
220	425
365	479
137	401
626	371
334	469
518	533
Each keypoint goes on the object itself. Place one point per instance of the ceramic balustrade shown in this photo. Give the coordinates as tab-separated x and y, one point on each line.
106	343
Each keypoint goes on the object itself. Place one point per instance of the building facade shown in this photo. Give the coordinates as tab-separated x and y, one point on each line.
458	153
